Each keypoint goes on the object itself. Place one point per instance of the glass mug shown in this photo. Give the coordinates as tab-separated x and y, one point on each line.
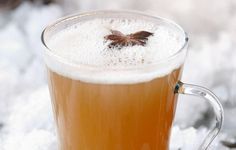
101	116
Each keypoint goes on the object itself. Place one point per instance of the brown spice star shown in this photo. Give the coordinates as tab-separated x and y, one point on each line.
120	40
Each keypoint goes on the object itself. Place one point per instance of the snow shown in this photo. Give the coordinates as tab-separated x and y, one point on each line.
30	124
26	120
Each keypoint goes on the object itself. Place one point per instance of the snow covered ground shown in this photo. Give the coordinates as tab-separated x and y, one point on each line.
26	121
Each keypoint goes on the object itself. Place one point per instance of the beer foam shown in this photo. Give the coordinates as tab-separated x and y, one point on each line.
81	52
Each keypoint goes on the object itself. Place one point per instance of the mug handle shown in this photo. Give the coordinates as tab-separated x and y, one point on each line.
188	89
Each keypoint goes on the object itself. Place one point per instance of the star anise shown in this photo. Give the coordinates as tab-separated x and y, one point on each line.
119	40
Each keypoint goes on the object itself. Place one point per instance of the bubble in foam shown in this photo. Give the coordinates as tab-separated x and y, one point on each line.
83	44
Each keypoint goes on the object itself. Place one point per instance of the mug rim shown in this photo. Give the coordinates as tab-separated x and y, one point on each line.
48	51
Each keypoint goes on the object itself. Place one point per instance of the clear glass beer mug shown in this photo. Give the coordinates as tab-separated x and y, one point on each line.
114	78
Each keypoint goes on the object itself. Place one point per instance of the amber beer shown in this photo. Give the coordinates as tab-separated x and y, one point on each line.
112	116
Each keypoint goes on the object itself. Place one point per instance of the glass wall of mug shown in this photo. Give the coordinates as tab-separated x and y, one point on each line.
113	107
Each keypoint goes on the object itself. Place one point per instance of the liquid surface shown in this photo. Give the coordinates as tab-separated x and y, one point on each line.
83	53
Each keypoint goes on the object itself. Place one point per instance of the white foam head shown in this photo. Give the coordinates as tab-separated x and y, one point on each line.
79	51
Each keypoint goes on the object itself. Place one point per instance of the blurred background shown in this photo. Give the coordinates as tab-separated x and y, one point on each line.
26	121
